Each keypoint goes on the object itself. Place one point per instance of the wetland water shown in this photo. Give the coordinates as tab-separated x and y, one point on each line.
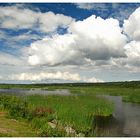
125	120
20	92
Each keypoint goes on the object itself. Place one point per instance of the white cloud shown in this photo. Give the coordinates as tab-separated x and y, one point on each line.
90	6
26	36
44	75
92	80
87	41
50	21
7	59
1	77
132	50
17	41
52	51
14	17
132	25
87	6
99	38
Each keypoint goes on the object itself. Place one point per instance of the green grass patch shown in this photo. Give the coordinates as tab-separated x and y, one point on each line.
134	98
14	128
74	111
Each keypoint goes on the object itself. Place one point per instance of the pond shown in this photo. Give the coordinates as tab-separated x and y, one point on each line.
21	92
125	120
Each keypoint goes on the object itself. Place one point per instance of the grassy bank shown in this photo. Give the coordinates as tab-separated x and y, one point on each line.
13	128
56	115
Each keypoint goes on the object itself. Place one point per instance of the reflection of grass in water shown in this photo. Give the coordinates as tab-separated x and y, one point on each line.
104	126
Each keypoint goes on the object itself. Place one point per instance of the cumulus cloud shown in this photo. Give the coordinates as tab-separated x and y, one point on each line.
91	44
91	39
99	38
132	25
92	80
14	17
132	50
53	51
44	75
50	22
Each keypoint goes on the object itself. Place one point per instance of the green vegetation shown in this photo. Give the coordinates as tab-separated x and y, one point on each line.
129	90
127	84
73	115
14	128
72	112
134	98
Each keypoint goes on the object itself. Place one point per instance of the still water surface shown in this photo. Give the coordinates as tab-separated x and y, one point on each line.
20	92
126	118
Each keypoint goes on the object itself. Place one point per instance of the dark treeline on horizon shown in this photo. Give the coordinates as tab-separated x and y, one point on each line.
120	84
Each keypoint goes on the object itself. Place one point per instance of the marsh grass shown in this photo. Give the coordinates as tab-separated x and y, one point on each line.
128	90
134	98
74	111
77	111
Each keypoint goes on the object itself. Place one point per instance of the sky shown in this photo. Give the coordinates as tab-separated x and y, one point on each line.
69	42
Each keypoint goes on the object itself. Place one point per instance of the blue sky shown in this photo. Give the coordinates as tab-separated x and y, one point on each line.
104	10
69	42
